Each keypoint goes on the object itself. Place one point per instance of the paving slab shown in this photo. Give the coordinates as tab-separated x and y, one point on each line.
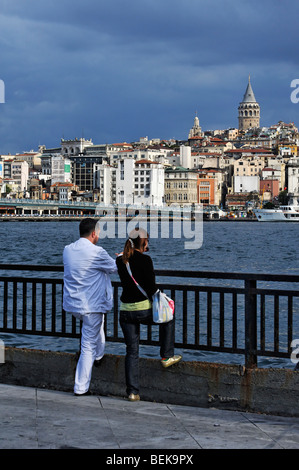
34	418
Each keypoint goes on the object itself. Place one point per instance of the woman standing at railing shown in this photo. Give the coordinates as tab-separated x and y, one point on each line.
136	308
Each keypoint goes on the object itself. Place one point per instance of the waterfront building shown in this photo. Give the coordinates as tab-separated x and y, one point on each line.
130	182
8	187
63	191
35	190
269	173
60	169
154	154
249	110
269	188
246	184
46	158
32	158
180	186
237	201
18	172
83	169
206	189
211	186
104	178
279	163
293	180
139	182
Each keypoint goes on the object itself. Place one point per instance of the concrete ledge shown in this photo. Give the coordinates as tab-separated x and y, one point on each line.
270	391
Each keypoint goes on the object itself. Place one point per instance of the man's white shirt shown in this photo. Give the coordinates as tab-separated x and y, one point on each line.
87	284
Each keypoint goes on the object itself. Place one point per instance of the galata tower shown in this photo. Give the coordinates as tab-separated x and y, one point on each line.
249	110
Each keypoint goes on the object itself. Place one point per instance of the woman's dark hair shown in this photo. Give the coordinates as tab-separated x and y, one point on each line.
137	239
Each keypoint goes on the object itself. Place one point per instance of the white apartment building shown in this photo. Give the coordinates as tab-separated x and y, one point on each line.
159	155
104	177
293	180
17	171
130	182
244	167
269	173
246	184
60	169
148	183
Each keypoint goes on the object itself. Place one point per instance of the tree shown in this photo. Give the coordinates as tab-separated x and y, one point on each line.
268	205
283	197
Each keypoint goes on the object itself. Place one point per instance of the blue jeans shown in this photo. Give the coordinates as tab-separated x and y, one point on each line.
130	323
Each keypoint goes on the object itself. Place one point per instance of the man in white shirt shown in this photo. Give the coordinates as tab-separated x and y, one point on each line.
88	295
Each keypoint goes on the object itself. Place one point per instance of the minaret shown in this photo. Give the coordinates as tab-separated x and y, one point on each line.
249	110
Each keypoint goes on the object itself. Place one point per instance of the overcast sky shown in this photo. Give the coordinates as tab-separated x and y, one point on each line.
118	70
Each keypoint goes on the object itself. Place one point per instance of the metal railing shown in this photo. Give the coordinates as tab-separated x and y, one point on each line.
220	312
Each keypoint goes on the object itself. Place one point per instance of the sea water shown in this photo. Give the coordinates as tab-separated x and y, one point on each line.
227	246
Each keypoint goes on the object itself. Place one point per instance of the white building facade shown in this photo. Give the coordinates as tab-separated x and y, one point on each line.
18	172
246	184
130	182
60	169
293	180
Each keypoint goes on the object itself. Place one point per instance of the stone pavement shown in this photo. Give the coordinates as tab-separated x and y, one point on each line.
44	419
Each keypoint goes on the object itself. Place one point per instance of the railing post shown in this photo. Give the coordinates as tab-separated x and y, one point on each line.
250	324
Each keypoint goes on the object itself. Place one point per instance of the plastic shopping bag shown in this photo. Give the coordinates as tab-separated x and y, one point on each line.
163	307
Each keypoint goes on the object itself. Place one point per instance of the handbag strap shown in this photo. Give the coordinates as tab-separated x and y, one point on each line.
139	287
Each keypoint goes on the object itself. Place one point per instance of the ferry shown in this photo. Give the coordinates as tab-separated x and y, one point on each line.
288	213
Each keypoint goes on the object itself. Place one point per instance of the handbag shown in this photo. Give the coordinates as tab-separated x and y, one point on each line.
163	306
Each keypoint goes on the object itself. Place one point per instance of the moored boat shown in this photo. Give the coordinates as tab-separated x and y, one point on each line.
288	213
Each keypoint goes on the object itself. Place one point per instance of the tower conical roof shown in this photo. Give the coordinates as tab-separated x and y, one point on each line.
249	95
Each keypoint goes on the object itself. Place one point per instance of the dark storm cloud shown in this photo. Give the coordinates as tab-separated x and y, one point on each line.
115	70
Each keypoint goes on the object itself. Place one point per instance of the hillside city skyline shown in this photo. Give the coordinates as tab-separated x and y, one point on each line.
221	167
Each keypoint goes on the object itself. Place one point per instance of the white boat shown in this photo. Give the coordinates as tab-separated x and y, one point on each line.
282	214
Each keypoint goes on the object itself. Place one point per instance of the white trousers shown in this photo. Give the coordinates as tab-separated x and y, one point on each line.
92	348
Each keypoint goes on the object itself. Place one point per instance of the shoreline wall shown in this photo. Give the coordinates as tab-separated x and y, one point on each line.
270	391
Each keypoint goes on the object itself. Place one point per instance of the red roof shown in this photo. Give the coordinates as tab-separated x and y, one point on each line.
146	161
62	184
251	150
